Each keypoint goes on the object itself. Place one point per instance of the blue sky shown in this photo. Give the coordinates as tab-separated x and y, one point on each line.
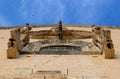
39	12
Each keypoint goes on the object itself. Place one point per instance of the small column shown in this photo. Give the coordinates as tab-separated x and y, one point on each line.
60	32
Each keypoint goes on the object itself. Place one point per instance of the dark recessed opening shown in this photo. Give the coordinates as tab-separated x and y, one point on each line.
109	40
60	49
109	45
12	44
98	28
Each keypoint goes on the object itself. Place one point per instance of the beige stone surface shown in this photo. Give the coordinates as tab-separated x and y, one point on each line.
78	66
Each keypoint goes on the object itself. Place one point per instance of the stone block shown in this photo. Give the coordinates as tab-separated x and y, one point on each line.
108	50
12	51
49	75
